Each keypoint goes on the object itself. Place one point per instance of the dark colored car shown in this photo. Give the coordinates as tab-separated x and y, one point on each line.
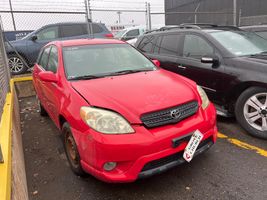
229	63
260	30
29	46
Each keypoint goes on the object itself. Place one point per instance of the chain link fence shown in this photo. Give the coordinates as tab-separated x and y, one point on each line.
4	71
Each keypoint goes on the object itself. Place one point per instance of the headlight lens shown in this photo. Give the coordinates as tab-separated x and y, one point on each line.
105	121
204	97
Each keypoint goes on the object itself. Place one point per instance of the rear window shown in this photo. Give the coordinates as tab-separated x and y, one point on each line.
96	28
72	30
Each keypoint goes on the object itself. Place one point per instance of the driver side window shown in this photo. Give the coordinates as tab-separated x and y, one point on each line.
44	58
49	33
196	47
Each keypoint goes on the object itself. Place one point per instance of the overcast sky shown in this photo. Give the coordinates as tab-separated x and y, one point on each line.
34	21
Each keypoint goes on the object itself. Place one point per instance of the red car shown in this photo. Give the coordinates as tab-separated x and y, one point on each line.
122	116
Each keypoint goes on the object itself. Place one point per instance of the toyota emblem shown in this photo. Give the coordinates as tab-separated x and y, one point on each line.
175	114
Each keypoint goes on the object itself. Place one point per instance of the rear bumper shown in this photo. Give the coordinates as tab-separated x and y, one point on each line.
135	152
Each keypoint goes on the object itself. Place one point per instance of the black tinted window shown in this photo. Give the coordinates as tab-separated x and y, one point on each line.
133	33
170	44
49	33
44	58
53	60
96	28
73	30
146	44
196	47
262	34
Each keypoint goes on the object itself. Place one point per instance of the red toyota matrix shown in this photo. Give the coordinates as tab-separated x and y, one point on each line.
121	115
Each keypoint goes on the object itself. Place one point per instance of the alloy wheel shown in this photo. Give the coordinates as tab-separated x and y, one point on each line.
15	64
255	111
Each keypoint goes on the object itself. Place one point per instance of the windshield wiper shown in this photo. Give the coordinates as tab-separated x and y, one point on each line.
85	77
129	71
259	54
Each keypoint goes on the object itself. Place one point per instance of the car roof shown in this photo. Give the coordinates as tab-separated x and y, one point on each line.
89	41
254	27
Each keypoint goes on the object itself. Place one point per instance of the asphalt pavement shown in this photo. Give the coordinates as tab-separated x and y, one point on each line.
235	168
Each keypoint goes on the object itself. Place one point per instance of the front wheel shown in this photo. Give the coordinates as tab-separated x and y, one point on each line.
72	151
251	111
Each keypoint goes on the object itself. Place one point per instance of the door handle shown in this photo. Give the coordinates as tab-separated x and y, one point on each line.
181	67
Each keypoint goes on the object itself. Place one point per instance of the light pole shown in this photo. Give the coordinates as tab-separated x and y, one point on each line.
234	12
119	15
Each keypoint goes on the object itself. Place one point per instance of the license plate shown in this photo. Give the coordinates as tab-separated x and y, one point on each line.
192	145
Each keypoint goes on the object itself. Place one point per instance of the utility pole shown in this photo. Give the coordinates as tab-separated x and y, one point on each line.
196	12
119	15
12	15
149	17
88	17
234	12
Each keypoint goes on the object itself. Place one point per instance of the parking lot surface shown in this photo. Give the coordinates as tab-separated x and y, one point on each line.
234	168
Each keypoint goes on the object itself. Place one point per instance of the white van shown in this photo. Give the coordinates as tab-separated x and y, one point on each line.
130	33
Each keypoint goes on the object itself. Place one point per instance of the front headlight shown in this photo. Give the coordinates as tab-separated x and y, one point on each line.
105	121
204	97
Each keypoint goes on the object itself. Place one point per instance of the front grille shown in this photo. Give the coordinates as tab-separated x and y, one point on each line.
172	158
170	115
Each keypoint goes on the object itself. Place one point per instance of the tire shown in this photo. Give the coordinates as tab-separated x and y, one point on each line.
251	111
42	111
16	64
72	151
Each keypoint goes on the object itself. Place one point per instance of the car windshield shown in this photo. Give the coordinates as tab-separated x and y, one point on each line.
101	60
241	43
119	34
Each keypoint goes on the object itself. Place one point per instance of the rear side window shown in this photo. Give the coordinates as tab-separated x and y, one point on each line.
71	30
170	44
146	44
133	33
53	60
96	28
196	47
44	58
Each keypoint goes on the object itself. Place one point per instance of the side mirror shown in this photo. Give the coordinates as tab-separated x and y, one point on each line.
34	38
214	60
156	62
48	77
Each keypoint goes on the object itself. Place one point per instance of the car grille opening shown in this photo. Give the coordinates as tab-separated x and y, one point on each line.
172	158
170	115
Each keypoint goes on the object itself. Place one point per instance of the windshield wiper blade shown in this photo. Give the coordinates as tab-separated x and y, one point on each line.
259	54
129	71
85	77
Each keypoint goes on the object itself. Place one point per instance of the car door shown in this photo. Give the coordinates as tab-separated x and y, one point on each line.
166	49
189	64
40	39
52	91
40	66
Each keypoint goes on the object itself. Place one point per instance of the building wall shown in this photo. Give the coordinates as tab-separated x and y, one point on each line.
224	9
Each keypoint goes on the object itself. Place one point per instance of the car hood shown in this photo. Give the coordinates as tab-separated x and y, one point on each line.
131	95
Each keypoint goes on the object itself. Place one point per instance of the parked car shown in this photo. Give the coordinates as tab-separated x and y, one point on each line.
230	65
260	30
29	46
130	33
122	118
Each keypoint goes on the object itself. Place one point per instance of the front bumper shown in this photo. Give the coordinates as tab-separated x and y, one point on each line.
137	154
